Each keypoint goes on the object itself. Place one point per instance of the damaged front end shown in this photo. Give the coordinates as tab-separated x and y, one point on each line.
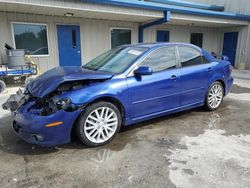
16	101
46	110
50	103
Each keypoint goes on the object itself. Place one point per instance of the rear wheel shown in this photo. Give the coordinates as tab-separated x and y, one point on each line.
99	124
214	96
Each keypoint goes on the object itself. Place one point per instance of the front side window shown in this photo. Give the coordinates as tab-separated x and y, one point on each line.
116	60
189	56
120	37
161	59
31	37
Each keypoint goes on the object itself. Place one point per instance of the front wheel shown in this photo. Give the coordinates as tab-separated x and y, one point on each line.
99	124
214	96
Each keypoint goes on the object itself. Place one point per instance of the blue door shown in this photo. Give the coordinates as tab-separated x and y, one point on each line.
157	93
162	36
194	76
230	46
69	45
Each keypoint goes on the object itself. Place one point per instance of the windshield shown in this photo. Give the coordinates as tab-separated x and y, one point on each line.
116	60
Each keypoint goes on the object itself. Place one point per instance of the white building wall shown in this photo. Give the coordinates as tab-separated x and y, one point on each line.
211	36
240	7
95	35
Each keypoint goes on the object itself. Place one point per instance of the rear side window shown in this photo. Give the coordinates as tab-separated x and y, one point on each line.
161	59
189	56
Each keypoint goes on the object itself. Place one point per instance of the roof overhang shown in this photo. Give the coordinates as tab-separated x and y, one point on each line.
125	10
173	8
192	20
81	10
191	4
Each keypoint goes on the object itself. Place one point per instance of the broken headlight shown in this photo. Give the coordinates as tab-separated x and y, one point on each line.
64	104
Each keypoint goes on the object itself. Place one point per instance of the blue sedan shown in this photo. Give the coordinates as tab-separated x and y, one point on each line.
124	86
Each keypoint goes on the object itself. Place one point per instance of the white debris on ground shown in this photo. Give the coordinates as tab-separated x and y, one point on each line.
242	96
242	83
211	160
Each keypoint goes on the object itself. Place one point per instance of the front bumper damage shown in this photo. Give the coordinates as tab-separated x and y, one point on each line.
31	126
16	100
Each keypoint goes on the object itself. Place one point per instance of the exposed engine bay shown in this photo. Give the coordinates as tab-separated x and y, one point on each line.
50	103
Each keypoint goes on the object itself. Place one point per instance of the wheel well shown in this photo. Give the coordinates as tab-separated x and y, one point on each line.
223	84
112	100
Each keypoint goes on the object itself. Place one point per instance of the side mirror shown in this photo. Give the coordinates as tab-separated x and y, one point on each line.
225	58
143	71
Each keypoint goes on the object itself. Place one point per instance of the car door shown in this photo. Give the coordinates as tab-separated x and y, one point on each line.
159	92
194	75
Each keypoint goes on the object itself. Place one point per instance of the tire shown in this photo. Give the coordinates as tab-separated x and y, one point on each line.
95	131
214	96
2	86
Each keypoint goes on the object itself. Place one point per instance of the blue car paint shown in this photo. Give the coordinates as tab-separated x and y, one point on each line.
36	125
50	80
149	93
142	98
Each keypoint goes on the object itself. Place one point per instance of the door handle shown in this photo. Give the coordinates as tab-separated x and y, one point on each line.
173	77
209	69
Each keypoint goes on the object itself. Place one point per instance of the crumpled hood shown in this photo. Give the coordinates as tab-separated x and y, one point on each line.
50	80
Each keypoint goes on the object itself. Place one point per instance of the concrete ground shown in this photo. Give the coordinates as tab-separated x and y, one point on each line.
190	149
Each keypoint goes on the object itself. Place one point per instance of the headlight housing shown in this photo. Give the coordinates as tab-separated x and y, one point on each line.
64	103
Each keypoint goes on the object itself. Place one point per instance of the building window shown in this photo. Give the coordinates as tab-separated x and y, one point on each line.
120	37
31	37
189	56
162	36
197	39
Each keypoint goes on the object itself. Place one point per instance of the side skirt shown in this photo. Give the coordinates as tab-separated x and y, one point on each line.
163	113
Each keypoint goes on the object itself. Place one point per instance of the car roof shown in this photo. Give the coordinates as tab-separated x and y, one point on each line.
160	44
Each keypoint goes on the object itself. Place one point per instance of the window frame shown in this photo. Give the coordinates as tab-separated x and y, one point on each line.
121	28
192	47
31	23
137	64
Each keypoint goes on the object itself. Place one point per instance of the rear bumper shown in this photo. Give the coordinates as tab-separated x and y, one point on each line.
229	85
32	128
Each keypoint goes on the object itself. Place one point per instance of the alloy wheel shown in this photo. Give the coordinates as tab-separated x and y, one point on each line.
215	96
100	125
